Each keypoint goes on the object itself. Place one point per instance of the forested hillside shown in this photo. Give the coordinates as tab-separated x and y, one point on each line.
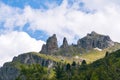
107	68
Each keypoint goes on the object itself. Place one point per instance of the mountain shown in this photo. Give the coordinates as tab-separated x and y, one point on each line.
95	40
89	48
107	68
11	70
85	44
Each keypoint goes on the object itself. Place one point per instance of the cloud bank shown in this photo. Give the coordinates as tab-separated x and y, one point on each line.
65	20
14	43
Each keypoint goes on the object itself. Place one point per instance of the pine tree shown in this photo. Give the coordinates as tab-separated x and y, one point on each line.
83	62
74	63
68	66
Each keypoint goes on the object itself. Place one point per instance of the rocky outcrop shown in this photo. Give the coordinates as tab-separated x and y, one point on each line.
31	58
11	70
95	40
65	43
51	45
90	41
8	72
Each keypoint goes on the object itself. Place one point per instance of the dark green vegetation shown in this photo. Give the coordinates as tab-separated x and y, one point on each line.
32	72
92	58
107	68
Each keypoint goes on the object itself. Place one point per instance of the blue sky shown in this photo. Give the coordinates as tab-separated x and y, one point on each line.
35	4
43	5
25	25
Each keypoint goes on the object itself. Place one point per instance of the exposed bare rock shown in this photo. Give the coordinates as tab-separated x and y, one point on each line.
10	70
65	43
90	41
94	40
51	45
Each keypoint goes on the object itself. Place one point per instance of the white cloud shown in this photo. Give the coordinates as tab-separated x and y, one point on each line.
101	4
68	22
14	43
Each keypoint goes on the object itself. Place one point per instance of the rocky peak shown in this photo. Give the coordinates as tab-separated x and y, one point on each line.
94	40
11	70
90	41
65	43
51	45
93	33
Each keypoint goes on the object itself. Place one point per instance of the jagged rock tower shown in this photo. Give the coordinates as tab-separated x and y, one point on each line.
65	43
90	41
51	45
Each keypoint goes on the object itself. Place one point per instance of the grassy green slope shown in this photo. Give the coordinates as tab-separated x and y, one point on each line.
90	56
94	55
107	68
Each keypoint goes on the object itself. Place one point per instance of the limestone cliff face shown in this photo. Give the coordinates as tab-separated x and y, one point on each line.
30	58
90	41
94	40
10	70
51	45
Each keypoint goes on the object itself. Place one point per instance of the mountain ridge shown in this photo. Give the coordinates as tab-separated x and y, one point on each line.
90	41
51	53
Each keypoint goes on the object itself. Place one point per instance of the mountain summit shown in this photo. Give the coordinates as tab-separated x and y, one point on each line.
90	48
95	40
51	45
90	41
